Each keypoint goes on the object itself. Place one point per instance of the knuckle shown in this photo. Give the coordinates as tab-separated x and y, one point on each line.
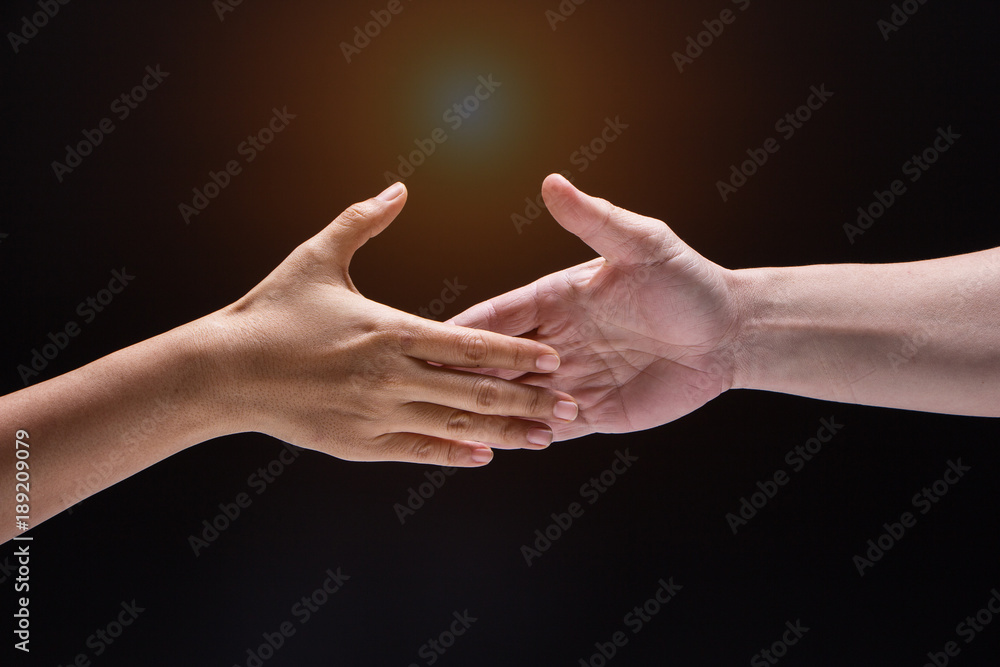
353	214
406	341
459	424
377	373
309	256
534	403
383	340
451	455
609	212
378	361
475	349
487	393
519	354
492	316
424	450
510	430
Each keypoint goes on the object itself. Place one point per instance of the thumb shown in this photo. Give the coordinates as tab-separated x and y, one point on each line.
359	223
619	236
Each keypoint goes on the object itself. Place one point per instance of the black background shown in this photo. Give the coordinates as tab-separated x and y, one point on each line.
665	517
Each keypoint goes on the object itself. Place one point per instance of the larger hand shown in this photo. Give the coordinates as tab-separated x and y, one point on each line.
645	332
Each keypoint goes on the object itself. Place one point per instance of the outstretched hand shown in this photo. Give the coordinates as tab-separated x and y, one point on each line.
309	360
646	332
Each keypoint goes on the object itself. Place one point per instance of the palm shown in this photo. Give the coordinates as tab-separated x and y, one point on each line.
644	332
639	348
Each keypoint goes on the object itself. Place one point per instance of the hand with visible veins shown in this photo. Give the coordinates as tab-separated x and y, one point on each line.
303	357
651	330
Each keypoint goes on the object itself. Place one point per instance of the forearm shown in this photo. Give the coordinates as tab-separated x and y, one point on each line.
97	425
920	336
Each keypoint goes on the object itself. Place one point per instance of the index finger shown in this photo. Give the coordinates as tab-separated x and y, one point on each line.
513	314
472	348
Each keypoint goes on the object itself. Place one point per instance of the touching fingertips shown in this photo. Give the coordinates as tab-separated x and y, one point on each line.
547	363
482	455
566	410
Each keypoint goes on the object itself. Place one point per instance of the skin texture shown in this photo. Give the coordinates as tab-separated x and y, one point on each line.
651	330
303	357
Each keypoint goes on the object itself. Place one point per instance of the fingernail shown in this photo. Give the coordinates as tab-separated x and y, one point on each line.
547	363
566	411
391	192
484	455
540	436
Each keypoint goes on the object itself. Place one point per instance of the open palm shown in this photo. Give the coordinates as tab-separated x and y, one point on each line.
645	331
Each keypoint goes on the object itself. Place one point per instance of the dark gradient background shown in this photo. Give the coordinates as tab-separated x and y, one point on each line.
461	551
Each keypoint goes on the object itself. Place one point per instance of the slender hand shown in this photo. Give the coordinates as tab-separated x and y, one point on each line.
302	357
652	330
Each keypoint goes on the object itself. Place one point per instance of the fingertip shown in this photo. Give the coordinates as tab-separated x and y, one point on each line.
566	411
540	436
481	456
557	181
392	192
547	363
460	320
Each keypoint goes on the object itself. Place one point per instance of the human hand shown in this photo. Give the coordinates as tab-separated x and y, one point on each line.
306	358
647	332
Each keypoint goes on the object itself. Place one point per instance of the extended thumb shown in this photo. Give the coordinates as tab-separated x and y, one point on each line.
619	236
360	222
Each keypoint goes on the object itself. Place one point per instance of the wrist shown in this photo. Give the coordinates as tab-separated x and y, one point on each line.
209	353
809	331
756	294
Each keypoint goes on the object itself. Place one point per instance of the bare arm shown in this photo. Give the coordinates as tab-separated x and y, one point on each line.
651	330
97	425
303	357
919	335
